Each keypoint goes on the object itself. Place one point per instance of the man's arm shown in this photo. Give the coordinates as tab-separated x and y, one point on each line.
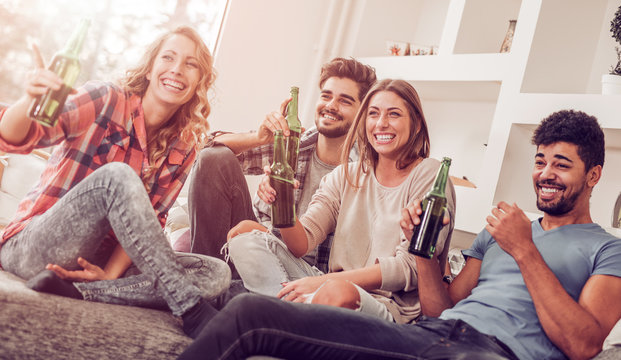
434	295
578	329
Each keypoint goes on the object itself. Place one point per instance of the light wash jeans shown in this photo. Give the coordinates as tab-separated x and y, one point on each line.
264	262
113	198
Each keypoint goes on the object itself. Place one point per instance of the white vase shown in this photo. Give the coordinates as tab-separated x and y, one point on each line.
611	84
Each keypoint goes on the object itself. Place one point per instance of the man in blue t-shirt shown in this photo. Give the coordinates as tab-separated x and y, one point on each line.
546	289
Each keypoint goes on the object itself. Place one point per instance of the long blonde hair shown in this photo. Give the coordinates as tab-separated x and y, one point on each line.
418	142
189	123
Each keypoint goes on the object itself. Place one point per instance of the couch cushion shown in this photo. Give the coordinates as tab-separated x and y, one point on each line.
39	325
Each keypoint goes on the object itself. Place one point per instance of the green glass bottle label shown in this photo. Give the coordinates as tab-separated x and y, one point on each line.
433	206
45	109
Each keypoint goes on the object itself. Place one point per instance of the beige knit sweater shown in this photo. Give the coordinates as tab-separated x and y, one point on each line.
366	229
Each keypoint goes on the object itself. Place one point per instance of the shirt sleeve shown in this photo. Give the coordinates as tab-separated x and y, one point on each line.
607	259
479	245
320	217
252	161
78	114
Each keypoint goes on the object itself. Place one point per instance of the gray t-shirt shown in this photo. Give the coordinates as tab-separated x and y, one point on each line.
316	171
501	304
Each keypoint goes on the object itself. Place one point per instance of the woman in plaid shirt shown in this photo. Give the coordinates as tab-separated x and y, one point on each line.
92	227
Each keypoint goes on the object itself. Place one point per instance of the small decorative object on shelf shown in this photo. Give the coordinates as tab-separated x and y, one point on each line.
506	43
416	49
397	48
611	82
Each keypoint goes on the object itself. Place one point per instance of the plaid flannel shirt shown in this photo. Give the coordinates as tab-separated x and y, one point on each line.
254	160
98	125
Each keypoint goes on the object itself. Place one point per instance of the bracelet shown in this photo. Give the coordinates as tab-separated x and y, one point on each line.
447	279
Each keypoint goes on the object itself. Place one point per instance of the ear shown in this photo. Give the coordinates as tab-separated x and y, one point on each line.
593	175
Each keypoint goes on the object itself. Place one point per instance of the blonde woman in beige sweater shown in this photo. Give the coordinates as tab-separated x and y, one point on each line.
370	269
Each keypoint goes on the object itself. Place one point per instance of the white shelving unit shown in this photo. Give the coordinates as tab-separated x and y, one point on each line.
481	105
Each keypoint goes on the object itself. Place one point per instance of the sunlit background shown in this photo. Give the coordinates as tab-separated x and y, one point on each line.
119	33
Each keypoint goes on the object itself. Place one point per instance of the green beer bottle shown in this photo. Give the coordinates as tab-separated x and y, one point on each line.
295	128
433	205
46	108
281	179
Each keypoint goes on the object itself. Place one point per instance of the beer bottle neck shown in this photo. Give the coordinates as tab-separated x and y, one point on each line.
75	42
439	186
292	111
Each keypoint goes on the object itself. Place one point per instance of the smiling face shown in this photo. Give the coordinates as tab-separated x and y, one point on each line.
388	124
337	107
561	182
175	73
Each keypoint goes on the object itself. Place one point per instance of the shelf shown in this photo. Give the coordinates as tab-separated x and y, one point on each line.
484	34
532	108
465	67
571	47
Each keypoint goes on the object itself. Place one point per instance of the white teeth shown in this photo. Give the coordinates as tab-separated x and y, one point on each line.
175	84
384	137
329	117
548	190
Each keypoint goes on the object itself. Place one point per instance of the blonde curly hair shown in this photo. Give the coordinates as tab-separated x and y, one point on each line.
189	123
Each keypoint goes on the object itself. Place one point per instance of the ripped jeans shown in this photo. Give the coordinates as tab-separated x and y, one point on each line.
264	262
113	198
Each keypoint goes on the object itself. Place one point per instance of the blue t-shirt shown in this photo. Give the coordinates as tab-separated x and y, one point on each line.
500	305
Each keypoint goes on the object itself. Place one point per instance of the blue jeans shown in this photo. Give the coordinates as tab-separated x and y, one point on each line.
257	325
264	262
114	198
218	199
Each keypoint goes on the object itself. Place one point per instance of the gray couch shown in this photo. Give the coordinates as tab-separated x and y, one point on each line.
41	326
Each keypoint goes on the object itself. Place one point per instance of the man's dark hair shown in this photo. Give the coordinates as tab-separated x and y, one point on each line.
575	127
352	69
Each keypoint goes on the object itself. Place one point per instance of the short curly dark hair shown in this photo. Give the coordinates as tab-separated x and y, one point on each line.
574	127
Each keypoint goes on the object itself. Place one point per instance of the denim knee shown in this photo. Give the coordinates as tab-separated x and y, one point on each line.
242	245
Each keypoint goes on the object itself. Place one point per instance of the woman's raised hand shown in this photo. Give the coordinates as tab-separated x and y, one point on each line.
41	79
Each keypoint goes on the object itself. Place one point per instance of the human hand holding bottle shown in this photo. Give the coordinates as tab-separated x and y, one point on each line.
272	122
16	121
40	79
265	191
410	217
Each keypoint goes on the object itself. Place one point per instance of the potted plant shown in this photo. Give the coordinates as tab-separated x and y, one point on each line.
611	82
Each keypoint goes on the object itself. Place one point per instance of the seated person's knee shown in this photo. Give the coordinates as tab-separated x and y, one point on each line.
245	226
339	293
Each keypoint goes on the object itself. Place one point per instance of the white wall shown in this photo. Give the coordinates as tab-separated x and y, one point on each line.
267	46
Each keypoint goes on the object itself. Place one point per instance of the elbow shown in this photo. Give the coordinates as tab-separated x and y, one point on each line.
298	253
587	349
587	352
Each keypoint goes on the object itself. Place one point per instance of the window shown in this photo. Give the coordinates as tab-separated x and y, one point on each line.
119	33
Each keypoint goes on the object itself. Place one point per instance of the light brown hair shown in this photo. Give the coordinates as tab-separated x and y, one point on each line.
418	142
